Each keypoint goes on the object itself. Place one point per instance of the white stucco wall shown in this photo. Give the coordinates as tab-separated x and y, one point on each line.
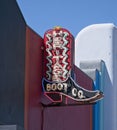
99	42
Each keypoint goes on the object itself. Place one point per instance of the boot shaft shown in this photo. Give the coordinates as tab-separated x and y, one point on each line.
58	54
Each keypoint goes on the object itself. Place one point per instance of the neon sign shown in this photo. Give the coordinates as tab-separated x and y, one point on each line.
58	61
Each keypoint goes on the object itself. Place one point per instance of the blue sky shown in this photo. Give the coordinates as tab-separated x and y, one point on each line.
73	15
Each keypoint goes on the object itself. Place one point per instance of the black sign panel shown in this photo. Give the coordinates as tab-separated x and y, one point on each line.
70	89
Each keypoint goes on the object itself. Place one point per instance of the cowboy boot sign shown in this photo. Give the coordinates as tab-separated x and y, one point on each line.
58	64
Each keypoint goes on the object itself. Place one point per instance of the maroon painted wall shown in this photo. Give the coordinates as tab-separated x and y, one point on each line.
33	77
67	118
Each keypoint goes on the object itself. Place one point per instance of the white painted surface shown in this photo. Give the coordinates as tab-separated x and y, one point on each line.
99	42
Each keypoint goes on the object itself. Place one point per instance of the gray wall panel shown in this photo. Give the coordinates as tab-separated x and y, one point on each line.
12	63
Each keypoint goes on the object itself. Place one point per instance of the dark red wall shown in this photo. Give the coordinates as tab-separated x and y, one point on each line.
67	118
33	77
